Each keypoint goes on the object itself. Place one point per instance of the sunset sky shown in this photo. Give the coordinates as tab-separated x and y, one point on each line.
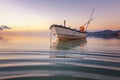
38	15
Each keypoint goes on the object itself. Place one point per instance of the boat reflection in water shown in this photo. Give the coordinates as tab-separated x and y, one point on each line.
62	49
67	45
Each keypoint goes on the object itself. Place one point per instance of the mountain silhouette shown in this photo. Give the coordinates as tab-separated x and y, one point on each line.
105	34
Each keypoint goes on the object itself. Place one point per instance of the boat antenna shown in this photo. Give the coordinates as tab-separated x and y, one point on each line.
90	19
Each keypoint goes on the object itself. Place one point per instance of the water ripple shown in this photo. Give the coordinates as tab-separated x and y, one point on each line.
80	65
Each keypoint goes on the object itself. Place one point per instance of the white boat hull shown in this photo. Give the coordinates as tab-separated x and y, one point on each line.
65	33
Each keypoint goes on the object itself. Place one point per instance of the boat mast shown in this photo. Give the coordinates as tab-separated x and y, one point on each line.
64	23
90	19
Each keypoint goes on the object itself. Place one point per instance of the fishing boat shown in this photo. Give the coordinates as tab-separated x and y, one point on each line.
67	33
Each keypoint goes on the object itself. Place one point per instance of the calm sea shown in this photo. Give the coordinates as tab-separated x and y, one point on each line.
39	58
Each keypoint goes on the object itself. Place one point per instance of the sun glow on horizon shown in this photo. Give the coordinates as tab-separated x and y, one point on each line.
38	15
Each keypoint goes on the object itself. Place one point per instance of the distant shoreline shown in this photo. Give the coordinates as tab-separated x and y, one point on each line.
105	34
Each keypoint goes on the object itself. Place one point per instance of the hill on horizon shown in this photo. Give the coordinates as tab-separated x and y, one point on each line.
105	34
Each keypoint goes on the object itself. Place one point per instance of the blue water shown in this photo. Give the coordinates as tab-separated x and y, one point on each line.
38	58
